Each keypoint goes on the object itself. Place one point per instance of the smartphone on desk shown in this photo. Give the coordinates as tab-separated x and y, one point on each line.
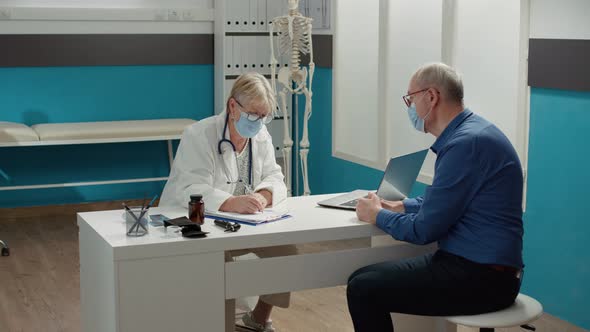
157	219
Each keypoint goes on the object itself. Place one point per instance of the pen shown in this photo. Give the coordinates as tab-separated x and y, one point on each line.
144	211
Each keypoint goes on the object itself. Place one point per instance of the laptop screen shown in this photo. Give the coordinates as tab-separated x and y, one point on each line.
400	175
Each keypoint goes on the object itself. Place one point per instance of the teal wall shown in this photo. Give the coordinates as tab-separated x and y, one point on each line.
556	255
33	95
328	174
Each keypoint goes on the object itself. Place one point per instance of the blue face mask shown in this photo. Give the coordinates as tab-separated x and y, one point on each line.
417	121
247	128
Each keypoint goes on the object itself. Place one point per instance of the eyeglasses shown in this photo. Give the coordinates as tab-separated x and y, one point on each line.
254	117
408	99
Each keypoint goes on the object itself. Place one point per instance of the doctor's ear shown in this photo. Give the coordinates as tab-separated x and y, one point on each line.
231	105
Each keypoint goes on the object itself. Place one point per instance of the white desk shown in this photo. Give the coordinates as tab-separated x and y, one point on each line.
164	282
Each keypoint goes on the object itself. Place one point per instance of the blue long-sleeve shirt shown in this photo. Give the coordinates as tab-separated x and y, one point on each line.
474	206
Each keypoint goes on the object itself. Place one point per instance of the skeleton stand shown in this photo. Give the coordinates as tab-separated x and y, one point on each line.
294	38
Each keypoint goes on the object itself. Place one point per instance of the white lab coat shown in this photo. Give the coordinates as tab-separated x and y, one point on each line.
198	167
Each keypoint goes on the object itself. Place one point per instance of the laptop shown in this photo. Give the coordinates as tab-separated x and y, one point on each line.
396	184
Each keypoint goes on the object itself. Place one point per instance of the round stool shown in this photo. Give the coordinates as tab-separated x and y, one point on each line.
524	310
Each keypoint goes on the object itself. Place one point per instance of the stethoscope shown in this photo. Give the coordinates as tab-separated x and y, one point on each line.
227	173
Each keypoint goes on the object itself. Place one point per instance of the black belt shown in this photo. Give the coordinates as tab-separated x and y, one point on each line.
503	268
506	269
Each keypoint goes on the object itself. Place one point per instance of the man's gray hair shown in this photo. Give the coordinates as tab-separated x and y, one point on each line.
442	77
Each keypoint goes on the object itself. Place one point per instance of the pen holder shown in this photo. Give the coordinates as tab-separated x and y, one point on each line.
133	227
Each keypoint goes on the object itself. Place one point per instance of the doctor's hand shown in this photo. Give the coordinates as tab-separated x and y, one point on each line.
395	206
244	204
367	208
260	197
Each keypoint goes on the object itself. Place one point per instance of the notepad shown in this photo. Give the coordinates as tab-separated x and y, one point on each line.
268	215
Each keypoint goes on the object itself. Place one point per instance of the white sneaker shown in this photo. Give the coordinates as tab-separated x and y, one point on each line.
249	322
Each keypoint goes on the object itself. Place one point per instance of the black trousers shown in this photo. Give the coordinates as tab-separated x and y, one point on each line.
439	284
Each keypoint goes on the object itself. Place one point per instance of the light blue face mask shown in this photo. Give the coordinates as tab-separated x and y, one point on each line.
417	121
247	128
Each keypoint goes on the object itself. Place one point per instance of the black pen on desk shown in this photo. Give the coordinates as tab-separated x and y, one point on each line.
126	207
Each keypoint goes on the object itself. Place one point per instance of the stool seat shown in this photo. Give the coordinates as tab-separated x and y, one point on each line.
525	309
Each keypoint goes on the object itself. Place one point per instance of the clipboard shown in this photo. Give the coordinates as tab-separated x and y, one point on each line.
269	215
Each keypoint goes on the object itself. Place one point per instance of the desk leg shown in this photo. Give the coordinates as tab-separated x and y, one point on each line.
230	315
176	293
98	293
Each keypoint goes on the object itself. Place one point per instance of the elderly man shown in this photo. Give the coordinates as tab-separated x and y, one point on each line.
473	209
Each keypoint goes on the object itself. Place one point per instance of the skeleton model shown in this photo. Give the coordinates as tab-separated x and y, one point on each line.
294	39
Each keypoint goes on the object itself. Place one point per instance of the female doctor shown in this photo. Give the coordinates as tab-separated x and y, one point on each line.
229	159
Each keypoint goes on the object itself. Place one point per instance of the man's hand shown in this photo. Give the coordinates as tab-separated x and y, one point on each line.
367	208
395	206
244	204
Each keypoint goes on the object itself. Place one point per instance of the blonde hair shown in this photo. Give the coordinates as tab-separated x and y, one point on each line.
443	77
253	87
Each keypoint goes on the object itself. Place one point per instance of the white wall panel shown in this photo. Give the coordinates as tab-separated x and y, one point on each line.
485	40
109	3
106	17
565	19
355	83
85	27
409	46
486	50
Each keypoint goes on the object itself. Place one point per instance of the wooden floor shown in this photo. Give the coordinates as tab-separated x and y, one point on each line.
39	281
